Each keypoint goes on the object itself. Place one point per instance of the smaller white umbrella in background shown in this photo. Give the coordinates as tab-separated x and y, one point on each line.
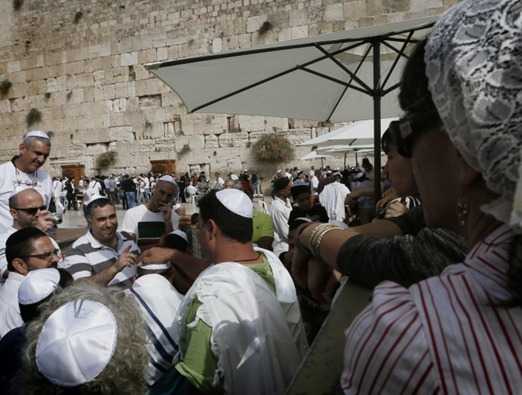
355	133
315	156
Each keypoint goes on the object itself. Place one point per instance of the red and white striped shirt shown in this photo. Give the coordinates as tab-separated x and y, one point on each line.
448	335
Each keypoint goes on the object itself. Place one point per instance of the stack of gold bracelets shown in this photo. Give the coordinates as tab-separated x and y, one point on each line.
313	242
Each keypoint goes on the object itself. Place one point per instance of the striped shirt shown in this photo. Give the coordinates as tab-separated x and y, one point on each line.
88	257
451	334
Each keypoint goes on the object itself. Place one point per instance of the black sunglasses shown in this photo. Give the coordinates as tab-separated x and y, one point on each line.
407	130
31	210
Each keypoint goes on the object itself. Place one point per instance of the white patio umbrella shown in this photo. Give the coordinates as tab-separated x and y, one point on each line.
358	132
337	77
315	156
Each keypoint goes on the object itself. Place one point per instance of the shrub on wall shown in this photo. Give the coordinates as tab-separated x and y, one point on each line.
17	4
106	160
34	116
273	148
5	86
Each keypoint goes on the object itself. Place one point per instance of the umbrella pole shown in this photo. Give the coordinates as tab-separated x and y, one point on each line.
377	95
356	159
345	159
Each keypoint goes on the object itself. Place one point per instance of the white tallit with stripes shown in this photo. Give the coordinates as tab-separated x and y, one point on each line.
257	335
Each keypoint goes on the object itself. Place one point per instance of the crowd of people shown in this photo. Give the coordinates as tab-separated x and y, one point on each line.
229	299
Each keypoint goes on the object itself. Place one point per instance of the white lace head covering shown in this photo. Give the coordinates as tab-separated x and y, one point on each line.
474	67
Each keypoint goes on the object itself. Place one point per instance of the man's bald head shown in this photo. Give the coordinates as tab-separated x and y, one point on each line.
29	197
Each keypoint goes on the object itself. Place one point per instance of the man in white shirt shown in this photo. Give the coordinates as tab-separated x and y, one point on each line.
333	199
280	213
28	210
26	249
24	171
104	255
158	210
94	188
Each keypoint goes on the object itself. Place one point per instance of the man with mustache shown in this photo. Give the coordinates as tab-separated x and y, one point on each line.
103	255
24	171
157	211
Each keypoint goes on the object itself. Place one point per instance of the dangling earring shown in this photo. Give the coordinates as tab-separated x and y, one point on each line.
462	212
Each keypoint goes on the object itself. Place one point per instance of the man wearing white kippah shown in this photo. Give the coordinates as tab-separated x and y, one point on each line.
239	328
24	171
86	340
155	218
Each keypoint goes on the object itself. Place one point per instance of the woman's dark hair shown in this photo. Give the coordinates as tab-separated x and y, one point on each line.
388	140
232	225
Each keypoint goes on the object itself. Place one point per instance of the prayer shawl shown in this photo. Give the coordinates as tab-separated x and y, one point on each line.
257	336
333	198
159	302
449	334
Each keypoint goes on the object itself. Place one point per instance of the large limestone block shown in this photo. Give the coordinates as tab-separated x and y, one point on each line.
125	133
255	22
334	12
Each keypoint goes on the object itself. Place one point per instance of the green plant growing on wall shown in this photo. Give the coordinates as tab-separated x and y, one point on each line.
184	150
17	4
265	28
106	160
34	116
273	148
77	17
5	87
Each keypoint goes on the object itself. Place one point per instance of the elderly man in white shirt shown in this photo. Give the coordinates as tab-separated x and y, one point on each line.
24	171
158	210
27	249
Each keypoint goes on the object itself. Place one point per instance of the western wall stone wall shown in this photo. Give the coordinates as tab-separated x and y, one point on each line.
80	63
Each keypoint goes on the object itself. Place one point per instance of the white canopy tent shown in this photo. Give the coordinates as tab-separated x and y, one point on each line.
313	155
359	132
344	150
337	77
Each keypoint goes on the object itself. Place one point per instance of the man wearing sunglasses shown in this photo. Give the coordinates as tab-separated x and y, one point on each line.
24	171
27	210
26	249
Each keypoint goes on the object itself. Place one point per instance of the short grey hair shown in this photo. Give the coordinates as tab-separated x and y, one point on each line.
125	373
29	140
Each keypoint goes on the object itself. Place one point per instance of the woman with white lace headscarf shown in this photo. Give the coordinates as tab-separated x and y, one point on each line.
460	332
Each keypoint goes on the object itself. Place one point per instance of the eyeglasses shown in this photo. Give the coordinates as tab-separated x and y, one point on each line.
31	210
45	255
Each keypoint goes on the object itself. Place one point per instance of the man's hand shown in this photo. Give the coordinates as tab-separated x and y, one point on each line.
126	258
166	211
156	255
389	195
44	221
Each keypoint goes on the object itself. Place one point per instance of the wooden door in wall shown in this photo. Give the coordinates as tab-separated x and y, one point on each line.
74	172
166	166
